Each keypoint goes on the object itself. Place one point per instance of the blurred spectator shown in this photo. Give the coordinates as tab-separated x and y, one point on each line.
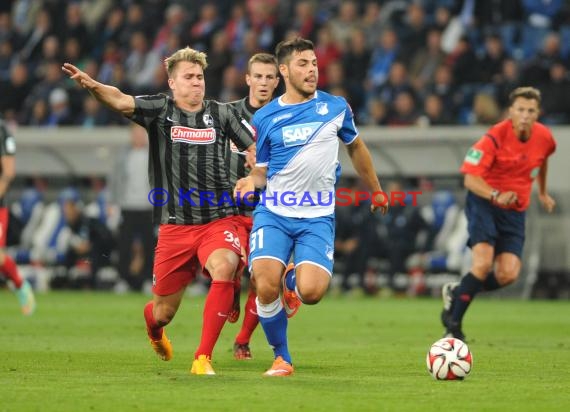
236	27
555	103
491	63
412	31
32	44
398	82
403	111
265	24
335	78
303	21
327	52
174	22
486	111
354	239
201	32
135	22
15	89
371	25
130	190
74	26
38	114
88	242
463	62
108	30
355	62
377	113
434	114
94	114
507	81
537	69
443	86
232	85
219	58
141	64
383	55
94	11
344	22
59	109
403	225
426	60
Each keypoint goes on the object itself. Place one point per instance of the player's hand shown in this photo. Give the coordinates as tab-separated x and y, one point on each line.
507	198
548	203
379	201
244	187
80	77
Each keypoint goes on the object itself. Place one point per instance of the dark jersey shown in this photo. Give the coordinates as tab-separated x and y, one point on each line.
188	165
238	169
7	148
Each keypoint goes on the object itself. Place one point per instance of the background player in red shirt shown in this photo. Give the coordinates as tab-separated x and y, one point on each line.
8	267
499	171
262	77
188	138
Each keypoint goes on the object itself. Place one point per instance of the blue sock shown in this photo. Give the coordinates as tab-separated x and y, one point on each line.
274	322
290	279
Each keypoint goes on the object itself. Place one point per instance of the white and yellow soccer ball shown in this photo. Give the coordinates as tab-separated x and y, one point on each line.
449	359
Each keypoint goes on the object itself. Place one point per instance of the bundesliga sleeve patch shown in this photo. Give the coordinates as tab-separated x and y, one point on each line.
474	156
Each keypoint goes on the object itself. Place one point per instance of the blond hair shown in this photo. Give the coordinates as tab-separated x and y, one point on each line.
525	92
185	55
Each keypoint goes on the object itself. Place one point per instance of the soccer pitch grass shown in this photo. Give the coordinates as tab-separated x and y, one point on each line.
86	351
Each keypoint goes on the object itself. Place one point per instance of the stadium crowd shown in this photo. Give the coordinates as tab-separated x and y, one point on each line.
398	62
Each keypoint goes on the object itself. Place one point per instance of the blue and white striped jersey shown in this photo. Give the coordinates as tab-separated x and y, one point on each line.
298	143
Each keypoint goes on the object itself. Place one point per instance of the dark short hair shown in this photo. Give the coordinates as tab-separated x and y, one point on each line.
285	49
525	92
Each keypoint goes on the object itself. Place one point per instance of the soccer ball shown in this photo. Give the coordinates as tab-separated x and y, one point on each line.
449	359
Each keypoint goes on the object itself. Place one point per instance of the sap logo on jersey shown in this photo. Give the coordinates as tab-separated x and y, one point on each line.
299	134
190	135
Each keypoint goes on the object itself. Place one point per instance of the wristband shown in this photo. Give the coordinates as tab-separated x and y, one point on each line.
494	195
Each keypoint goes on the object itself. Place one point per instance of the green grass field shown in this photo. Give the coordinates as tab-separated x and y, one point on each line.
89	352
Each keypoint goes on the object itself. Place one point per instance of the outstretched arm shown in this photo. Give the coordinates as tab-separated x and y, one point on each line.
362	162
108	95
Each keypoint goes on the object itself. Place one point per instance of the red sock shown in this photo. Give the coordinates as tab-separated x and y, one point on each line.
154	331
10	269
216	308
250	320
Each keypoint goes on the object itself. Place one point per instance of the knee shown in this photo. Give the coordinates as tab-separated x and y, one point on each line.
506	276
310	298
482	268
163	314
266	291
223	270
311	295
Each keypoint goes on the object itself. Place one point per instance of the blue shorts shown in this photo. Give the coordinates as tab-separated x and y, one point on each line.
502	228
310	240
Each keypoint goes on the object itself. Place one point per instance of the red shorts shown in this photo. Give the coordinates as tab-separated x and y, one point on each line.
244	225
3	225
179	246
